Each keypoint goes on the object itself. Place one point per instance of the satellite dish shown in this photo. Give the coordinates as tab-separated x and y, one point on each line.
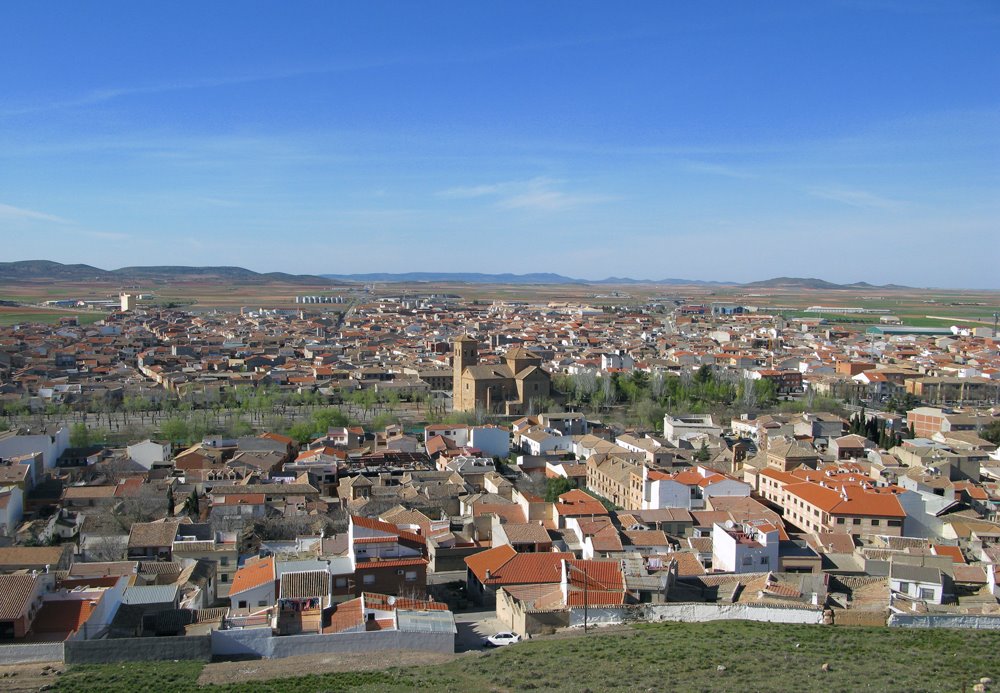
392	601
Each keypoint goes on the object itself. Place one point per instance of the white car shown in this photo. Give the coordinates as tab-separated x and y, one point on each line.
501	639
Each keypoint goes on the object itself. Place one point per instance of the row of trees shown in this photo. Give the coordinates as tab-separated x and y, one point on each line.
243	398
647	396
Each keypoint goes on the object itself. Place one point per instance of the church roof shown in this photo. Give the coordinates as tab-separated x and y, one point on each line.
519	353
488	372
529	371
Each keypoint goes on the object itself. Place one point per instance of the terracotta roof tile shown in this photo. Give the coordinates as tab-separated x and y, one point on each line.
63	615
253	574
14	593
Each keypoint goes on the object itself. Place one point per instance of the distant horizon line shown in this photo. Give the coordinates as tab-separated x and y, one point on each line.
527	278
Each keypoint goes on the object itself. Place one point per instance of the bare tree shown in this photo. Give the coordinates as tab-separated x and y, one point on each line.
585	384
748	400
609	390
657	385
105	549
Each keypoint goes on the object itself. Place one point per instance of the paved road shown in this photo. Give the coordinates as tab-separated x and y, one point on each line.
473	626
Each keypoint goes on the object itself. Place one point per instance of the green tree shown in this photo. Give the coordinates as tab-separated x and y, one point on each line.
557	486
192	505
704	375
79	436
702	454
302	431
175	429
325	419
239	428
382	420
991	432
650	413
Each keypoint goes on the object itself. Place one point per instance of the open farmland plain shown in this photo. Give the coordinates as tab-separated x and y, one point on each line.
916	307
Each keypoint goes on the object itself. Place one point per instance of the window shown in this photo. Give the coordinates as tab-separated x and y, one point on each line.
224	560
904	587
369	579
875	523
748	560
241	604
856	521
341	582
262	602
224	577
411	576
895	523
764	560
926	593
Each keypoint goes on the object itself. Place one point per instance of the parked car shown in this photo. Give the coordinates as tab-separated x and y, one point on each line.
502	638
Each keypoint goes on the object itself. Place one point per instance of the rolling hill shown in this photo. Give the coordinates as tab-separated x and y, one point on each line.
47	270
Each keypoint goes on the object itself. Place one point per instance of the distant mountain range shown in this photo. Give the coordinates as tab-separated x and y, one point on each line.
479	278
549	278
805	283
46	270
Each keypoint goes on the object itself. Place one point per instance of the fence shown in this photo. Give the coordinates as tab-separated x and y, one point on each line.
973	621
138	649
258	642
695	612
33	652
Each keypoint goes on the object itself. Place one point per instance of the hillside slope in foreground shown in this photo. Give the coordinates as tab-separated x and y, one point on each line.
720	656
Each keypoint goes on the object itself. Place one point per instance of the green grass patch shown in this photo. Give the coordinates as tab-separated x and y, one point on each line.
133	676
47	318
670	656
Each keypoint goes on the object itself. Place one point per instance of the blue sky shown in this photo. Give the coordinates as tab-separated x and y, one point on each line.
851	140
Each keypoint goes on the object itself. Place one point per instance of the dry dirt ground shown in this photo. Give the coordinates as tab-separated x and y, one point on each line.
257	669
28	677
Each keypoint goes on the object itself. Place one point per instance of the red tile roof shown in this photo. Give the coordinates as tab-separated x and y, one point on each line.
380	526
490	560
253	575
859	502
953	551
509	512
577	502
392	563
508	567
14	593
598	575
374	600
63	616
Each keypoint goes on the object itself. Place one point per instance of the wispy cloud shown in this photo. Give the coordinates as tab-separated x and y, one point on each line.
719	170
108	235
541	194
10	212
98	96
856	198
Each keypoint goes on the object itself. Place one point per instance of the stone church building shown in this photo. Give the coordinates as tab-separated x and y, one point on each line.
505	388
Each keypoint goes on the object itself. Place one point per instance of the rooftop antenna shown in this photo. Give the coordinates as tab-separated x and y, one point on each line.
996	317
